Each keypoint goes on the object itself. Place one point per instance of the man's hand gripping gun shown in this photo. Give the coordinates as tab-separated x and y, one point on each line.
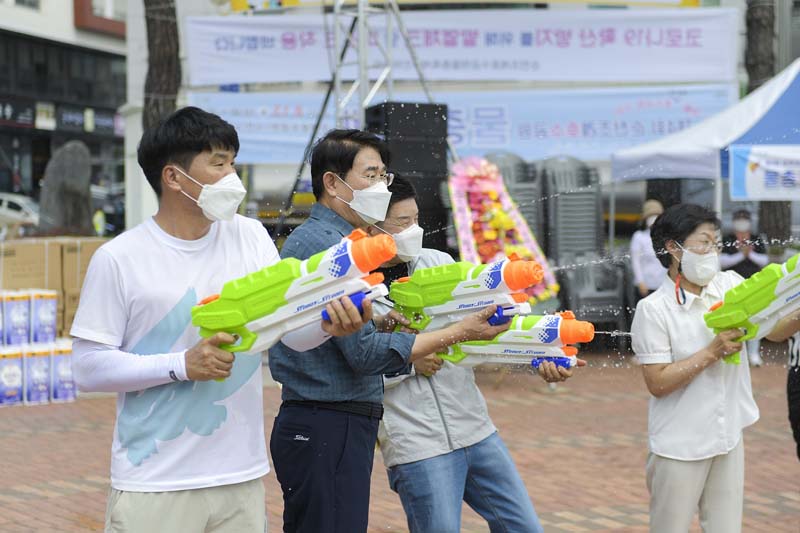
530	339
264	306
433	298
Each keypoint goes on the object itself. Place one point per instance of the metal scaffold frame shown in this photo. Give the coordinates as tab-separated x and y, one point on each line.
351	27
361	14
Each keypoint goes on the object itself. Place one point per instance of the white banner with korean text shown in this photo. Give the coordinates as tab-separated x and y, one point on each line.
646	45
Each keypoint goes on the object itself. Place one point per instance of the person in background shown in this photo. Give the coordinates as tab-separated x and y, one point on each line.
450	452
648	272
99	222
699	405
745	255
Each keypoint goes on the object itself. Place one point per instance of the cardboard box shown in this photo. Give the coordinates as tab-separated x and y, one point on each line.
71	299
69	317
31	263
60	319
75	257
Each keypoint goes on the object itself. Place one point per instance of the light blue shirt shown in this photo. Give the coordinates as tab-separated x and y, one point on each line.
343	368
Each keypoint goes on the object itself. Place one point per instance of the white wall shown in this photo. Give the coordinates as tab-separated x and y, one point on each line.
55	21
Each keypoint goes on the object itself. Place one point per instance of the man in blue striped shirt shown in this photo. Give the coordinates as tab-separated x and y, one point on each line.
324	436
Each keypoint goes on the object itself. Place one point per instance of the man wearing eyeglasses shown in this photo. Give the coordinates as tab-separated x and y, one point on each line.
323	439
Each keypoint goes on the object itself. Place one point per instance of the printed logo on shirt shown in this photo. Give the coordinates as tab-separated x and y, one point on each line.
163	413
301	437
794	351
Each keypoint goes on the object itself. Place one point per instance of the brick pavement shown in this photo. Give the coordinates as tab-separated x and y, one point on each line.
580	449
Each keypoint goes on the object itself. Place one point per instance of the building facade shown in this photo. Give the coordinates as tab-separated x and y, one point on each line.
62	77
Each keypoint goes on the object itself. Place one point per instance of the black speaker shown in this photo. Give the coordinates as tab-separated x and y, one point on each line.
434	221
402	119
417	138
410	156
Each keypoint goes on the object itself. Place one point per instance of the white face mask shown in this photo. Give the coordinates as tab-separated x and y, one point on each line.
650	220
741	225
371	203
409	243
700	269
220	200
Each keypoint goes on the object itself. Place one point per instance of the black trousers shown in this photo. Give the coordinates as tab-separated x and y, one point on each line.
793	396
323	462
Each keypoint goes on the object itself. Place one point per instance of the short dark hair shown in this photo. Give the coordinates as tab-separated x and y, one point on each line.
742	214
401	189
677	223
337	150
179	138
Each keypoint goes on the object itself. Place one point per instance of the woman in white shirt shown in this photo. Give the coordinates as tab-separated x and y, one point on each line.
699	404
648	272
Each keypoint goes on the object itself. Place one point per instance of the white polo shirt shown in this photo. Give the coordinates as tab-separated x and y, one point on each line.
706	417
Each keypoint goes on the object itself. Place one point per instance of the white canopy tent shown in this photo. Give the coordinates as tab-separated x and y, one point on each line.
769	115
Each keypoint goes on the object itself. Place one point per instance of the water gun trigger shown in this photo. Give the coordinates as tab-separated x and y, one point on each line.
499	318
562	362
358	301
246	340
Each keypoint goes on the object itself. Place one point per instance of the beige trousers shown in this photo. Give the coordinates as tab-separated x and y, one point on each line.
238	508
714	486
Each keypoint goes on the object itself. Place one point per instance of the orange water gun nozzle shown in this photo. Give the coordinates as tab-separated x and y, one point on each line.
372	252
574	331
520	275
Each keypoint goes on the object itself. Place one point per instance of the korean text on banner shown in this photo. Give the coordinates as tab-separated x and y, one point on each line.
765	172
589	124
647	45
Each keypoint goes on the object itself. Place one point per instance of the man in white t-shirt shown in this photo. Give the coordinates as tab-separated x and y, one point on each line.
189	451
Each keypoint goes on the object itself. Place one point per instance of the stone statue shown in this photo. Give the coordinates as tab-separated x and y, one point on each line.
65	205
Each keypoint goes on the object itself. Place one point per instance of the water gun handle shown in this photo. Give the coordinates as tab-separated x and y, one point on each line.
246	339
563	362
499	318
358	301
733	358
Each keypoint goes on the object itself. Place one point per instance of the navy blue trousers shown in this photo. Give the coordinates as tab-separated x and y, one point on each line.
323	462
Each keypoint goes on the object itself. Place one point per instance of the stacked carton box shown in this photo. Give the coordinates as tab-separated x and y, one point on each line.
31	263
75	257
40	282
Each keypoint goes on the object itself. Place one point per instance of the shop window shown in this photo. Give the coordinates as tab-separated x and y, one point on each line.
33	4
110	9
24	67
56	73
102	16
5	65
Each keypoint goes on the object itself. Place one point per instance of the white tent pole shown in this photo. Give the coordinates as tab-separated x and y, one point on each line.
612	217
718	189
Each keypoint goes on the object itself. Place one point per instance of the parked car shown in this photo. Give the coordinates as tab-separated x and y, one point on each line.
17	209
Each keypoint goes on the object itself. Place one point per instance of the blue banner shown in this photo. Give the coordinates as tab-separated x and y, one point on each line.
589	124
765	172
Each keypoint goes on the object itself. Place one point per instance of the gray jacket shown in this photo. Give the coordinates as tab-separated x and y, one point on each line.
425	417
